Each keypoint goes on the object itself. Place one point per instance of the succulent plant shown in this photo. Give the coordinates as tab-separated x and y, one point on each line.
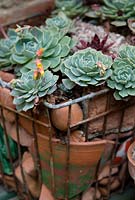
61	22
27	90
51	46
122	79
118	10
86	67
96	43
71	8
6	48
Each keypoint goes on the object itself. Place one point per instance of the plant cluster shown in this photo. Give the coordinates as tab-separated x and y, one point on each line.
118	11
71	8
45	61
24	45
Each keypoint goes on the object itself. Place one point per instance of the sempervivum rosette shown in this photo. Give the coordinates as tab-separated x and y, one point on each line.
86	67
27	90
118	10
123	77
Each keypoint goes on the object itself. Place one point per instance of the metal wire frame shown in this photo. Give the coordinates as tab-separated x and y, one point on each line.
85	101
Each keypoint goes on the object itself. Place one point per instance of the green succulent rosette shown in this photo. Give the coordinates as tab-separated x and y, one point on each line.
71	8
61	22
122	79
86	67
118	10
26	91
55	47
6	48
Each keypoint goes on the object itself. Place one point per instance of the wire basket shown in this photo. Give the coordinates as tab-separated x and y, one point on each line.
69	168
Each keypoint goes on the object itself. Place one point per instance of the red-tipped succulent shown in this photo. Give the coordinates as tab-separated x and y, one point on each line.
96	43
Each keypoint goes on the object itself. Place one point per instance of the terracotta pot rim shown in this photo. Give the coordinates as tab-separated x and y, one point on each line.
129	152
92	143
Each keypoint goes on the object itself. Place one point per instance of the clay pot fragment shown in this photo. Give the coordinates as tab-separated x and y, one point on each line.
77	136
103	191
7	100
7	77
123	171
28	165
131	160
27	124
24	137
106	181
90	194
45	194
106	171
60	116
115	184
30	175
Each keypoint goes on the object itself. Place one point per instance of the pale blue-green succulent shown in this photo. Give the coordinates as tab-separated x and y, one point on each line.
60	22
27	91
6	48
119	11
55	46
71	8
123	76
86	67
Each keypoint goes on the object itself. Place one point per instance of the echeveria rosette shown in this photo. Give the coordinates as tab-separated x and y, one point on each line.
26	90
86	67
55	47
123	76
71	8
26	47
60	22
118	10
127	55
6	48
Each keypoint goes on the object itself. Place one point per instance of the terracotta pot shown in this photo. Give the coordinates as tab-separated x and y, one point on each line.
82	164
25	138
5	76
131	161
98	106
27	124
45	194
7	100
